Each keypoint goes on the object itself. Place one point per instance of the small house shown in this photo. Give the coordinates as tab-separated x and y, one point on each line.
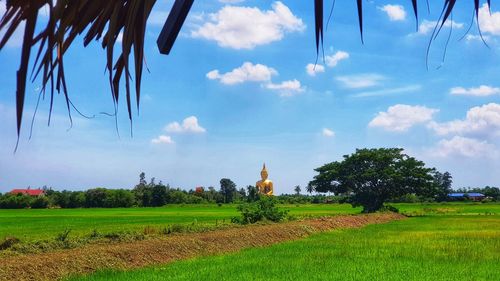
474	196
28	191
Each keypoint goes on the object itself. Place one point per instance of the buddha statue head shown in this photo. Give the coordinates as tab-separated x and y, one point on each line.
264	173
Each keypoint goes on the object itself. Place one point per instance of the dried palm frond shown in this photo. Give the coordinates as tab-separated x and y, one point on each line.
448	7
101	20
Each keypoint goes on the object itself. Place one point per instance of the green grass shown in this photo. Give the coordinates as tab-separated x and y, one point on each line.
458	208
445	247
31	225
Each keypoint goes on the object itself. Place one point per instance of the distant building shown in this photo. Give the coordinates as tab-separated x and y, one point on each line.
471	195
29	191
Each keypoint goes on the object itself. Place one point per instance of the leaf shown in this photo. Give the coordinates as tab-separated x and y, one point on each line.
318	15
360	18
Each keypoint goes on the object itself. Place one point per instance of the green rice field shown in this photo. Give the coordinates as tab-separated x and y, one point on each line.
434	247
35	224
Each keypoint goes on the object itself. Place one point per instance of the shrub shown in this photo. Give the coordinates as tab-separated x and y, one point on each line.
8	242
63	236
389	208
263	209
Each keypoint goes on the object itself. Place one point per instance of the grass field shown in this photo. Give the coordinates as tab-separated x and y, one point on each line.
29	225
444	247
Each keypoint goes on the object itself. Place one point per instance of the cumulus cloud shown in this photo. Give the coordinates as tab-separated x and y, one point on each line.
401	117
489	23
327	132
287	88
334	59
481	91
263	74
248	27
312	69
427	26
481	120
163	139
359	81
248	72
461	146
189	125
394	12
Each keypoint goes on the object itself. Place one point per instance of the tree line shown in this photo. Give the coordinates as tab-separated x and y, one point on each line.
367	178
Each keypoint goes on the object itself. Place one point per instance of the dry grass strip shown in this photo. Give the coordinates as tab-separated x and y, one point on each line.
59	264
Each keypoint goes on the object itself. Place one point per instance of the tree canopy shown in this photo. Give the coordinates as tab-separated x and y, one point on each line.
373	176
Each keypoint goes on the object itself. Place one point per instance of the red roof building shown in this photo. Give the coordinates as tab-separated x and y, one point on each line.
30	192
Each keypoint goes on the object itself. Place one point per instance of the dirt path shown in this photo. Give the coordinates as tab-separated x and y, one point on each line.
58	264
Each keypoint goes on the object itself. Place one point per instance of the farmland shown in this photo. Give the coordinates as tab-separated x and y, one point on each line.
435	238
29	225
437	247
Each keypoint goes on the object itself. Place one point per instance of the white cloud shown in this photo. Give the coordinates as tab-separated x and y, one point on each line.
327	132
162	140
427	26
248	72
394	12
334	59
472	37
489	23
401	117
248	27
386	92
481	91
312	69
481	120
189	125
287	88
461	146
360	80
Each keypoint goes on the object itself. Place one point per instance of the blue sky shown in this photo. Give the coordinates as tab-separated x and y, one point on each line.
238	90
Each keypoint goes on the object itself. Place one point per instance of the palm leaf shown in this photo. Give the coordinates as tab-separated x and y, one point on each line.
448	7
99	20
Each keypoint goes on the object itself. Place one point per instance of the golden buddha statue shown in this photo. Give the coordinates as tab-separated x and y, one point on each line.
265	186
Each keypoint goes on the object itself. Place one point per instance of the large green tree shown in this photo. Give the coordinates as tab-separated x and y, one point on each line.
443	183
227	189
372	177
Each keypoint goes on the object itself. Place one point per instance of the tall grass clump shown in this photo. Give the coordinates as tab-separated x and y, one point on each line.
262	210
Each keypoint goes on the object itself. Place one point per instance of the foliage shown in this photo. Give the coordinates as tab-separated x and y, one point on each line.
253	193
372	177
297	190
443	184
263	209
227	189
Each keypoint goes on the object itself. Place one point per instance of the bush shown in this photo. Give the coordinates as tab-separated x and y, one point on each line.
389	208
264	209
8	242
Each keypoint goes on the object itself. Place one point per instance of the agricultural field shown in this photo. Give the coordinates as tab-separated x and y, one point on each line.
449	246
36	224
435	242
